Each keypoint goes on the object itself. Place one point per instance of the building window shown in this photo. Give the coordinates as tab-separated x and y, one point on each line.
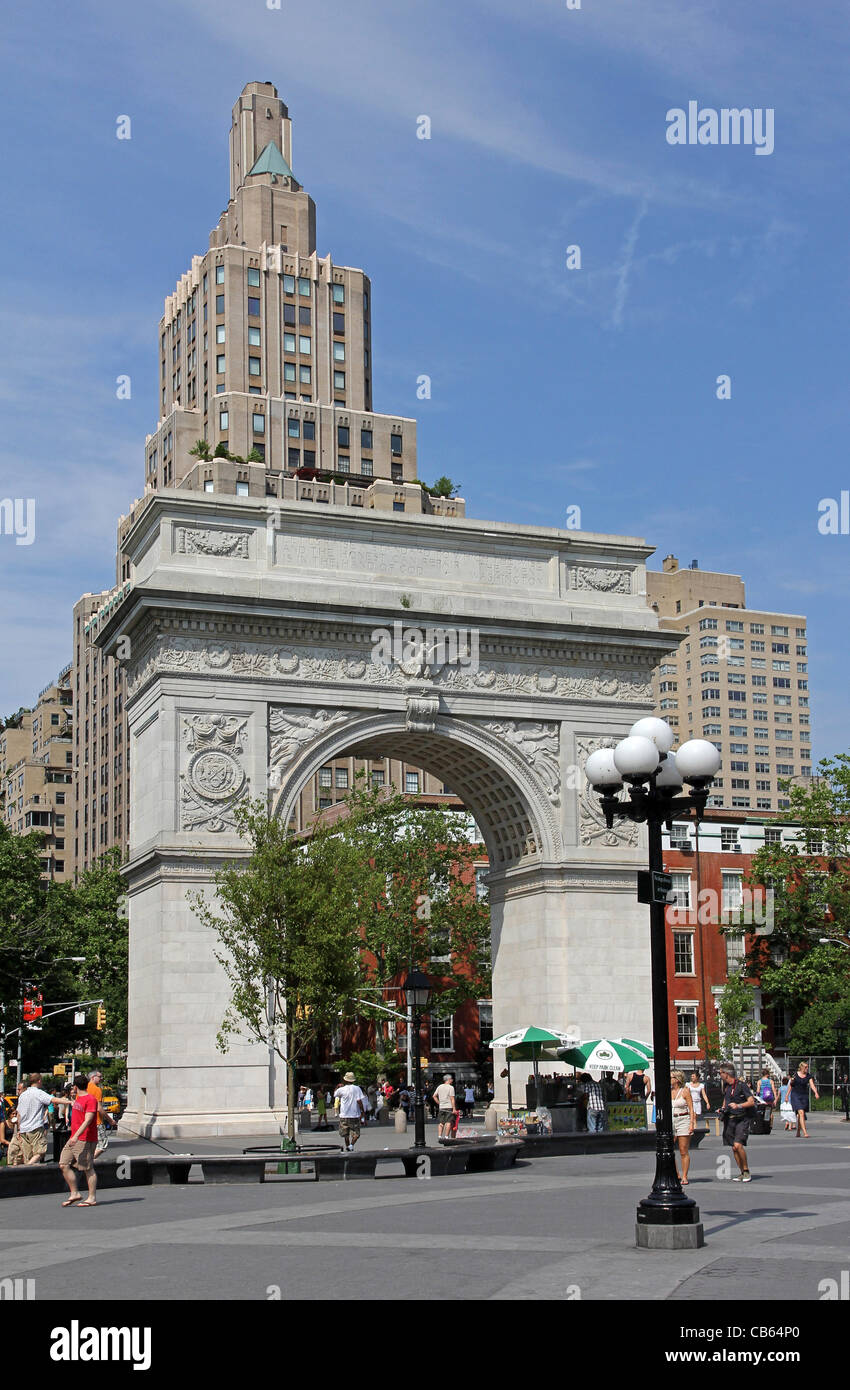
208	485
305	375
683	952
395	444
254	366
219	274
339	294
378	777
289	371
305	344
223	420
729	839
442	1034
325	776
219	333
253	275
686	1027
732	898
735	952
366	469
411	783
343	436
219	363
398	506
339	381
339	352
241	489
253	307
293	427
259	422
681	892
304	286
485	1022
341	778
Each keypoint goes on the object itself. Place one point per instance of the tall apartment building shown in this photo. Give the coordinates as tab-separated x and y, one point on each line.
265	356
36	776
739	678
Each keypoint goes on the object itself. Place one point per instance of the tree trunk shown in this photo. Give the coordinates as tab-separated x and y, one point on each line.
290	1087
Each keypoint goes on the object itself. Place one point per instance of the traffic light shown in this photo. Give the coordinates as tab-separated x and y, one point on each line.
101	1016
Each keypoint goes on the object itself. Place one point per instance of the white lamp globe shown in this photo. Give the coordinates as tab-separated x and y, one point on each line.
657	730
600	770
635	758
698	760
669	777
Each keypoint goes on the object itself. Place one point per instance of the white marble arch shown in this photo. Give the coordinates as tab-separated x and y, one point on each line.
249	626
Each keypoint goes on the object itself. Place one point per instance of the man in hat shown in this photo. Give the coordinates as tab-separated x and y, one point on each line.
352	1109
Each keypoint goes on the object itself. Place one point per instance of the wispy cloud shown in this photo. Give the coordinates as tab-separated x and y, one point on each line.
625	268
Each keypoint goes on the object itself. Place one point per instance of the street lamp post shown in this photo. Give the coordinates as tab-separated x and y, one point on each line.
417	990
654	775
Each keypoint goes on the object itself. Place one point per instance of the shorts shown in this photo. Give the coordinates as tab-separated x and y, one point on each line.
446	1117
14	1153
77	1153
736	1128
34	1144
102	1138
349	1128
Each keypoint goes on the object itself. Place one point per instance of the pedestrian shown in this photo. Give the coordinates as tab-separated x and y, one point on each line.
372	1100
322	1107
490	1092
308	1098
801	1084
767	1096
445	1099
844	1088
638	1085
611	1088
684	1121
352	1109
302	1091
105	1121
785	1109
738	1104
33	1104
468	1099
78	1153
595	1098
699	1096
15	1153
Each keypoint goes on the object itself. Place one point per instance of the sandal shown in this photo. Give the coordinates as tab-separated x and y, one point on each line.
88	1203
71	1200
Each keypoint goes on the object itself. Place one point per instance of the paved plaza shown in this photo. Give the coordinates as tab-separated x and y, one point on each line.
555	1228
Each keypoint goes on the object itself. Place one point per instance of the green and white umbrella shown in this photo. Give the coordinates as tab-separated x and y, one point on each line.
606	1054
526	1045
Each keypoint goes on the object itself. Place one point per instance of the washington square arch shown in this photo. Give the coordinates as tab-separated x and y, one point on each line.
247	628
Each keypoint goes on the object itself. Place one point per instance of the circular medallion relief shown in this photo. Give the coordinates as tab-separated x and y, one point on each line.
217	656
354	668
485	678
284	662
546	681
216	776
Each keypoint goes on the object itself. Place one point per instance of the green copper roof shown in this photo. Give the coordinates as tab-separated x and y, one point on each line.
271	161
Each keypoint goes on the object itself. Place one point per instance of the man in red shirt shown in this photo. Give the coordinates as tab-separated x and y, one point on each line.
79	1150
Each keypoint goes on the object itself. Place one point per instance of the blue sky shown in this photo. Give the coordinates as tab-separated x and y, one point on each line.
550	386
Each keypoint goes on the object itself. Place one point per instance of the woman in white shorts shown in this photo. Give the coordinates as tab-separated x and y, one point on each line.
684	1121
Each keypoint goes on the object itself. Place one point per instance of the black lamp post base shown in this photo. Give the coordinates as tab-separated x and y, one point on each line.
675	1227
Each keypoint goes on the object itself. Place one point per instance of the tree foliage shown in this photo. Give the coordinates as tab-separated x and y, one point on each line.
809	878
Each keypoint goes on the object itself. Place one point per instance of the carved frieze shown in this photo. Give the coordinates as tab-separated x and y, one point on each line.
603	581
423	704
191	540
538	745
591	822
213	779
291	731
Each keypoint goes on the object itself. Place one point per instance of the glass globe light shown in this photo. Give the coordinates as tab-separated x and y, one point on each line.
698	760
669	777
636	758
600	770
657	730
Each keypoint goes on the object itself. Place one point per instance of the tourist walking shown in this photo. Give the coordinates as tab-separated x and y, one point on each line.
738	1105
801	1084
767	1096
78	1153
105	1121
33	1105
468	1100
445	1099
844	1088
785	1109
352	1109
684	1121
15	1153
699	1096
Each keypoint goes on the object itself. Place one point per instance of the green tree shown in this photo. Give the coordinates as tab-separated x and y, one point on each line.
201	450
94	920
27	933
808	881
736	1025
418	900
287	921
367	1066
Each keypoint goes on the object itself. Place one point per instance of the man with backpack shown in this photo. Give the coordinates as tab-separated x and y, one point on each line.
767	1097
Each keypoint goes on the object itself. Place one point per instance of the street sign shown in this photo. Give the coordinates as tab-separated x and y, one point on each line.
59	1069
80	1018
654	887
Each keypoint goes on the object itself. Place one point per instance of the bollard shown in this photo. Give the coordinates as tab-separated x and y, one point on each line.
491	1119
400	1121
